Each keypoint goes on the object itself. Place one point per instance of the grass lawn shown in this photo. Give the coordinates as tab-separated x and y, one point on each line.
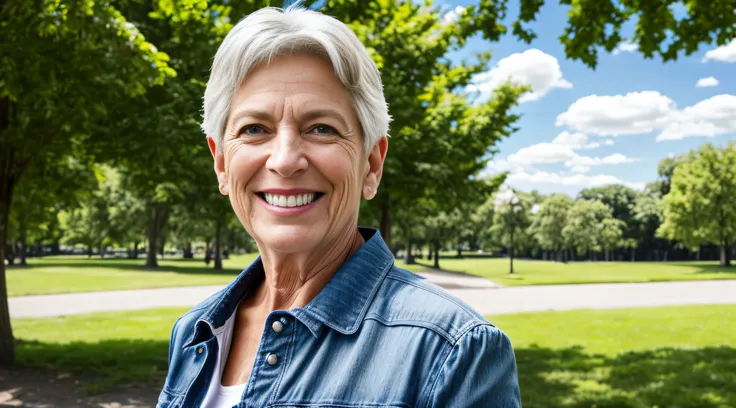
66	274
551	273
681	357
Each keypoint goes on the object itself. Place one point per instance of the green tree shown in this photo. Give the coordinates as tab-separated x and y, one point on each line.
611	235
621	200
59	100
583	231
700	208
649	217
511	222
549	221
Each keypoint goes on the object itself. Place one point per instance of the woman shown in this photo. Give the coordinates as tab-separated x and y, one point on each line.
296	122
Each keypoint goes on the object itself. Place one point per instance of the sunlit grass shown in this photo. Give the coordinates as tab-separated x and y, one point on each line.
664	357
551	273
66	274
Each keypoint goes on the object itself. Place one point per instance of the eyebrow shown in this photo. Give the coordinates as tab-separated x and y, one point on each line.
306	116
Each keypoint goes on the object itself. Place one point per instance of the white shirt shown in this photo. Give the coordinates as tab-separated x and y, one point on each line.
219	396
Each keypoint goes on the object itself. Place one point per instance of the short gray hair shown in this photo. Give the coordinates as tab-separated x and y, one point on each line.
271	32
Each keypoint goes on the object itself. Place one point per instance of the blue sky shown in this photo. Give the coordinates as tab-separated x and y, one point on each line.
613	116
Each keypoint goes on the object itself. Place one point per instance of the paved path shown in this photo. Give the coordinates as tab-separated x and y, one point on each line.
487	297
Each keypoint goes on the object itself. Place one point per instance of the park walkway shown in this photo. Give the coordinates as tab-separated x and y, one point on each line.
487	297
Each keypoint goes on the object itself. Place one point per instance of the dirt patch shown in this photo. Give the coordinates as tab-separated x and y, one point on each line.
33	388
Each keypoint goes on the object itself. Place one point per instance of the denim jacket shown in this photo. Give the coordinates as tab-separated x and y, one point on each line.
375	336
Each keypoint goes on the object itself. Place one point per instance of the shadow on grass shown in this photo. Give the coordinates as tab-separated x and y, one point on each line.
137	266
712	268
666	377
568	378
103	364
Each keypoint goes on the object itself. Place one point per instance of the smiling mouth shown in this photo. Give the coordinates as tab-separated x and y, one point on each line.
287	201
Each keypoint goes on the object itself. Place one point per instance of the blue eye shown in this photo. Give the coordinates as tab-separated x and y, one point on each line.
324	130
252	130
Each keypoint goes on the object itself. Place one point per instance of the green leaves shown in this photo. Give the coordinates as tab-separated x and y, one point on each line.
700	208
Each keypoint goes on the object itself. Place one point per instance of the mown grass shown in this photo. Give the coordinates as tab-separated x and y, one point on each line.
681	356
67	274
552	273
656	357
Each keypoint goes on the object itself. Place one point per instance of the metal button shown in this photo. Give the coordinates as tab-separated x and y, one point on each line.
272	360
284	321
200	350
277	326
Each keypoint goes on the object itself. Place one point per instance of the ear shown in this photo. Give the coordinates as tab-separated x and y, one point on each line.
219	159
374	169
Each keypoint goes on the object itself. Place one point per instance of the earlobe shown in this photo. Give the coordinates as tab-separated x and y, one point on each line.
219	165
376	158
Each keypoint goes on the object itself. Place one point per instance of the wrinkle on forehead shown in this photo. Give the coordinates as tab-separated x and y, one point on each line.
273	87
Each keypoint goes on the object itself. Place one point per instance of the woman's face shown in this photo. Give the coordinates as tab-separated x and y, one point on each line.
293	159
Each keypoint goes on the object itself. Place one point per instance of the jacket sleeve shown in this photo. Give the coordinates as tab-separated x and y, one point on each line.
479	371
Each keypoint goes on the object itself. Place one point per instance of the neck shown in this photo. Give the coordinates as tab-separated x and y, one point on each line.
293	280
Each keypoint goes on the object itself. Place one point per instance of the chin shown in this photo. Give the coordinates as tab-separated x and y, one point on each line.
289	238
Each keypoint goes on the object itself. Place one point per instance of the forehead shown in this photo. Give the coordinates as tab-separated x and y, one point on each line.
302	81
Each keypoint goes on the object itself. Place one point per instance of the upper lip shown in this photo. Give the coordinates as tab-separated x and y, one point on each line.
288	191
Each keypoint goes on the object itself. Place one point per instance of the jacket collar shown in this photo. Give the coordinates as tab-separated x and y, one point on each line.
340	305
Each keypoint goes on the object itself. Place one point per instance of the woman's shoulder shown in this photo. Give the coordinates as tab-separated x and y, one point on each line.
409	298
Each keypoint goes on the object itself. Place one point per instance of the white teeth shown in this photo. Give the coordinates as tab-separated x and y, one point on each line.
289	201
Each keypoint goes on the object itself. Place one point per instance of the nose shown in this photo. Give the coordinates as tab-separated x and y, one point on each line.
287	157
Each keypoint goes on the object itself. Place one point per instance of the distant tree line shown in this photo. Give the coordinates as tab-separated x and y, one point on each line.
688	213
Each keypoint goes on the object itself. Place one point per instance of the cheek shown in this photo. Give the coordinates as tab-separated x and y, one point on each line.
342	165
241	165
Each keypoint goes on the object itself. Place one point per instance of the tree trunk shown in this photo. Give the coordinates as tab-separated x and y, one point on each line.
151	261
7	182
437	255
386	219
459	250
511	254
22	247
102	251
409	259
725	253
633	254
511	260
188	251
608	255
89	250
135	249
218	245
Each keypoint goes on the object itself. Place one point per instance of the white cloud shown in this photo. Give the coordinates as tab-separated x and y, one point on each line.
588	161
578	141
707	82
532	67
552	153
577	180
542	153
724	53
453	15
625	47
633	113
579	168
711	117
649	111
